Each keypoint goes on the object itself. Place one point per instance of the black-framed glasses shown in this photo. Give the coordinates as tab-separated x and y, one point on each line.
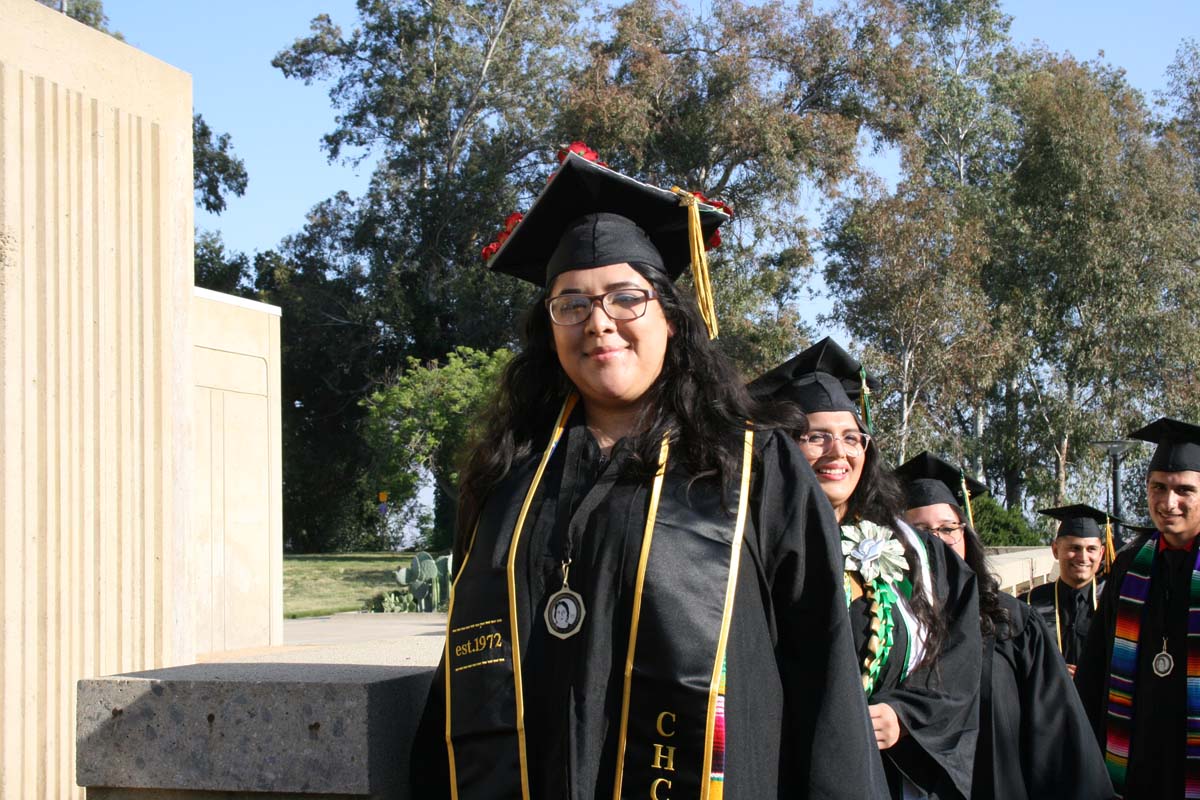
619	304
947	533
853	442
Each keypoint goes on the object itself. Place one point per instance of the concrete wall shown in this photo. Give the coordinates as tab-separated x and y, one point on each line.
236	560
1019	569
95	298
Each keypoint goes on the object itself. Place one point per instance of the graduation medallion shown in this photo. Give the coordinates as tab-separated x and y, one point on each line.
1163	663
565	610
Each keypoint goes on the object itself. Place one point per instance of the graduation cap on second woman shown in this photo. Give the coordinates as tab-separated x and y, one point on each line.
589	215
822	378
928	481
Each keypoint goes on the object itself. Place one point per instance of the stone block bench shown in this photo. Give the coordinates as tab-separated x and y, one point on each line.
250	731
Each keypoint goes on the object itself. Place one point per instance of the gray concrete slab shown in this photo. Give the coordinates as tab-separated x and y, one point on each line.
367	639
337	729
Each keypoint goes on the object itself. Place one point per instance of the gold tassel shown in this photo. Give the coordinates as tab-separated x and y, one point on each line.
1110	550
704	293
967	499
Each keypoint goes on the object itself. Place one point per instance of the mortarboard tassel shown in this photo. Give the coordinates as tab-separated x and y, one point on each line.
704	293
967	498
866	402
1110	550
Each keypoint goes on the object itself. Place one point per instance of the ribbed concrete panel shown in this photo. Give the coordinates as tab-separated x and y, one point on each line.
236	541
95	289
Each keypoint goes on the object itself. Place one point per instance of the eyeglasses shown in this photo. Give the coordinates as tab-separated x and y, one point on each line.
947	533
619	304
853	443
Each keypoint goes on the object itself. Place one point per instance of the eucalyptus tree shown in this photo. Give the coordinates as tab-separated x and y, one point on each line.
452	102
454	99
760	105
1096	262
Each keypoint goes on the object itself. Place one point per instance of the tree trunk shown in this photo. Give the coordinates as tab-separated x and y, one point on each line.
1062	452
1014	482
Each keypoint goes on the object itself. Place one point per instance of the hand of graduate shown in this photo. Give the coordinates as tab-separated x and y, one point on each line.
888	729
1071	669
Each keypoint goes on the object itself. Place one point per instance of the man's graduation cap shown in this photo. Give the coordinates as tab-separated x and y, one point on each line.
1079	520
1084	521
928	480
1178	444
591	216
822	378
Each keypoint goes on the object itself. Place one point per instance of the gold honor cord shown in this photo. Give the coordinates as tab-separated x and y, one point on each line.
647	535
559	425
730	591
704	292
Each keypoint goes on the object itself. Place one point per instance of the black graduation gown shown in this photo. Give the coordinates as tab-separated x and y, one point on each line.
1075	610
1034	740
1157	752
936	704
795	715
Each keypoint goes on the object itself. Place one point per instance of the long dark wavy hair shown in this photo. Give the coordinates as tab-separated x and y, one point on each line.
698	399
994	619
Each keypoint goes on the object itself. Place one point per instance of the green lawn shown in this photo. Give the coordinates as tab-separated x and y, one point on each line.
326	584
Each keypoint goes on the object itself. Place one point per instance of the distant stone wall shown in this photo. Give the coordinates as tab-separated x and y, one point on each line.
95	295
235	562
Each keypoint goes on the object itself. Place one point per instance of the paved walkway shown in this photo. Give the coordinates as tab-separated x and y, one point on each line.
378	639
417	639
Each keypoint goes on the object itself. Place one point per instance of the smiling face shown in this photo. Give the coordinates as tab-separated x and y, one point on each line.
613	363
1174	500
1078	558
838	471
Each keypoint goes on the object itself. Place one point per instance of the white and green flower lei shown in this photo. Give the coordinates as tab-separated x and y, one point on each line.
870	550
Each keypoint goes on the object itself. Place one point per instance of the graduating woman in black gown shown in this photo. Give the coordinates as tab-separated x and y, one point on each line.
912	603
648	600
1034	738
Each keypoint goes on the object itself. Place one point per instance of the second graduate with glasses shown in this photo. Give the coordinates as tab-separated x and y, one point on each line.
912	603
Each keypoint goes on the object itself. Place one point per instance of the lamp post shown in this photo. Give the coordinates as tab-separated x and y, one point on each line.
1116	448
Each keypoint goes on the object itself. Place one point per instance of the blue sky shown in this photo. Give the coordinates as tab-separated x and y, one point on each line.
277	124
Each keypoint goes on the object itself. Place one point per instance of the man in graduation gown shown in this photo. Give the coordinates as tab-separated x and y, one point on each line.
1139	677
1068	603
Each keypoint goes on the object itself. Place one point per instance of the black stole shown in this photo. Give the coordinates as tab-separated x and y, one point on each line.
678	632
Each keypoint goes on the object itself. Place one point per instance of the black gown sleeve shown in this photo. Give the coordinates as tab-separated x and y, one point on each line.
1058	752
938	703
830	747
429	764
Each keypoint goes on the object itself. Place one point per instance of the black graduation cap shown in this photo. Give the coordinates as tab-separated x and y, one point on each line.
591	216
822	378
928	480
1178	444
1080	520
